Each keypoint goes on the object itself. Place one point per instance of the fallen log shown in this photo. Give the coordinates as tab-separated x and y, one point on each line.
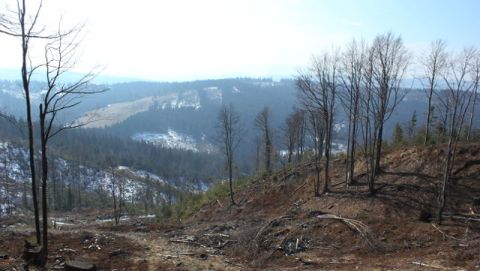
217	234
429	265
118	252
79	266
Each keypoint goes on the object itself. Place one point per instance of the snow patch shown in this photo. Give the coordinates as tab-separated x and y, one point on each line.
214	94
171	139
337	127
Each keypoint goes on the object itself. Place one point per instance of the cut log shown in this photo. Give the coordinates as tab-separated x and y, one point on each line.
79	266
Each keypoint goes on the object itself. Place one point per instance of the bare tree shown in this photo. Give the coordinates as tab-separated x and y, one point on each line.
369	124
263	122
113	189
316	125
113	178
294	133
58	97
229	129
353	62
390	61
458	97
317	131
23	25
6	180
434	63
475	75
301	123
384	65
289	135
317	91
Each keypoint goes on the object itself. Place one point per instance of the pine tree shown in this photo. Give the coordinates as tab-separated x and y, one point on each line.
397	136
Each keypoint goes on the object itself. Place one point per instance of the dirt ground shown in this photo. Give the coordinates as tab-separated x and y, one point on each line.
278	224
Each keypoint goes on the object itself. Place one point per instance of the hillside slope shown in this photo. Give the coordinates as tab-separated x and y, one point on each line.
279	223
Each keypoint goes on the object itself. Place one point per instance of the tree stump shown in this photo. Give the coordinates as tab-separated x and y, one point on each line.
33	254
79	266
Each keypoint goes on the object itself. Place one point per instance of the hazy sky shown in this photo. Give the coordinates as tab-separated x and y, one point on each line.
200	39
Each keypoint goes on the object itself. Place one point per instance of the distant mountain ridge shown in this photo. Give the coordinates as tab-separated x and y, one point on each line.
12	74
156	110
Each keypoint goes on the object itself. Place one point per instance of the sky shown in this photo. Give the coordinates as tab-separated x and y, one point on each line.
179	40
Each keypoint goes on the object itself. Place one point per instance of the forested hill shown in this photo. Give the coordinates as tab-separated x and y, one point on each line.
98	149
181	115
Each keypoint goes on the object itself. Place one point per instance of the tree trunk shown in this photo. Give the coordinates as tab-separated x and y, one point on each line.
472	114
378	150
230	180
352	148
349	158
115	211
327	160
31	148
442	197
268	151
43	141
429	117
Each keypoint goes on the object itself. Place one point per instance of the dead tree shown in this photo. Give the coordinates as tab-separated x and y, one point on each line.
263	122
390	62
317	90
353	63
228	131
433	63
58	97
23	25
458	97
